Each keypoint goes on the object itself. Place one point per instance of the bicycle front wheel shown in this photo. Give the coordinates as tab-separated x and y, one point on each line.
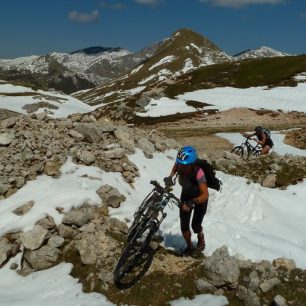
238	150
136	257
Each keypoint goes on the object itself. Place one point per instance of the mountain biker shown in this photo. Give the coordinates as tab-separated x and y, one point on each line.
263	138
194	195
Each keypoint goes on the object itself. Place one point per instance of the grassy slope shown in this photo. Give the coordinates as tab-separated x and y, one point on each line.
243	74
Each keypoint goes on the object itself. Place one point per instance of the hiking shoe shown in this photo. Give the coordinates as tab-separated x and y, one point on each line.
188	252
201	242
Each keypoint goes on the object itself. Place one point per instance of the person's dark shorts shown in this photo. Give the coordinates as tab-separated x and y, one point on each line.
199	212
268	142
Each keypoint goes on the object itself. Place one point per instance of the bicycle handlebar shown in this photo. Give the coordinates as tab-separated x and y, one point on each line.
166	190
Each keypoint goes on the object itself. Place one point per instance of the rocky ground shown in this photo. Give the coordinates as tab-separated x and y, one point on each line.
36	144
297	138
199	129
92	241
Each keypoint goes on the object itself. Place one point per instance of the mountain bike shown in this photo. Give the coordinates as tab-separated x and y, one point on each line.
138	254
246	146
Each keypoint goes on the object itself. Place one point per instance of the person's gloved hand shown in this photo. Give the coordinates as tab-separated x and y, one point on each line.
190	203
168	181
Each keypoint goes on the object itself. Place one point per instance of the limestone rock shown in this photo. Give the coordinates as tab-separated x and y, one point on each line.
34	238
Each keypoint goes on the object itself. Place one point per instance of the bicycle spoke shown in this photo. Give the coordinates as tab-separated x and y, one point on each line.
238	151
137	255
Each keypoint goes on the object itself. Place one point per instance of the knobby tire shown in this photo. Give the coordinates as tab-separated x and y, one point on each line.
133	256
238	150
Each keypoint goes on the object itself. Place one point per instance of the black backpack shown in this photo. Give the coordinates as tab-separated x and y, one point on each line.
267	132
212	181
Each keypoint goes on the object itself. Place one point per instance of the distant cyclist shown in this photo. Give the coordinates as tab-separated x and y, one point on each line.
263	138
194	195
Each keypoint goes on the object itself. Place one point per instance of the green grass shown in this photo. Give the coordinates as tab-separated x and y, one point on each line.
18	94
243	74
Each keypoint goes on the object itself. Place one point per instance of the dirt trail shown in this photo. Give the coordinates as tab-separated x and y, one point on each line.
199	130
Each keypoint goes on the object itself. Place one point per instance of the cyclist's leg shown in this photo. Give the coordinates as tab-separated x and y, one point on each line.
185	228
265	150
198	216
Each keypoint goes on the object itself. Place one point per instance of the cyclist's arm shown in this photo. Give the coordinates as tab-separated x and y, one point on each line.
173	170
247	135
198	200
202	181
263	139
203	193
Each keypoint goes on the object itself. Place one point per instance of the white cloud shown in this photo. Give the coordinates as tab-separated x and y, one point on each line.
147	2
240	3
113	6
84	17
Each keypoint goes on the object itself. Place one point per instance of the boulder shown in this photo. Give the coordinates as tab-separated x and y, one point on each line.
43	258
110	196
34	238
23	209
269	181
222	269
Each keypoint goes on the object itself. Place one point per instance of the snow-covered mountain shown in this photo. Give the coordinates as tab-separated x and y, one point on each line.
183	52
77	61
74	71
261	52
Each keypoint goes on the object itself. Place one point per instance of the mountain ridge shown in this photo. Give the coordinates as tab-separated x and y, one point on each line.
182	52
262	51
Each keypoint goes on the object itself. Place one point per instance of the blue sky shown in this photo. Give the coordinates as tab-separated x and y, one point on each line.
41	26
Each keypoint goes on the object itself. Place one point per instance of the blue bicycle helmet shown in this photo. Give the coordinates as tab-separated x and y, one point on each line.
186	155
258	129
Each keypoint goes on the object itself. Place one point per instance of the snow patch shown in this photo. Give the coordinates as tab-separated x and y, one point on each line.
136	69
188	65
65	105
167	59
196	47
165	106
149	78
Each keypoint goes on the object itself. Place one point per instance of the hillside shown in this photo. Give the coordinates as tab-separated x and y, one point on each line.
270	72
185	51
263	51
70	186
128	96
78	70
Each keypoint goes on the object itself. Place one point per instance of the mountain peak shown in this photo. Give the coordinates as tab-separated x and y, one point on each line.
262	51
96	50
187	36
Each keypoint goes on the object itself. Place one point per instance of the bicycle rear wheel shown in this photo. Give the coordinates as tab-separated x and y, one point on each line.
238	150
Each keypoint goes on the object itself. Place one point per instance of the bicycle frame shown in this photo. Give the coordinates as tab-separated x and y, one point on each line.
152	207
138	253
250	148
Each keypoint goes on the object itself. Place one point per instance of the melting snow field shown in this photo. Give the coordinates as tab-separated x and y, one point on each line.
165	106
65	105
52	287
278	139
285	98
253	221
256	222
